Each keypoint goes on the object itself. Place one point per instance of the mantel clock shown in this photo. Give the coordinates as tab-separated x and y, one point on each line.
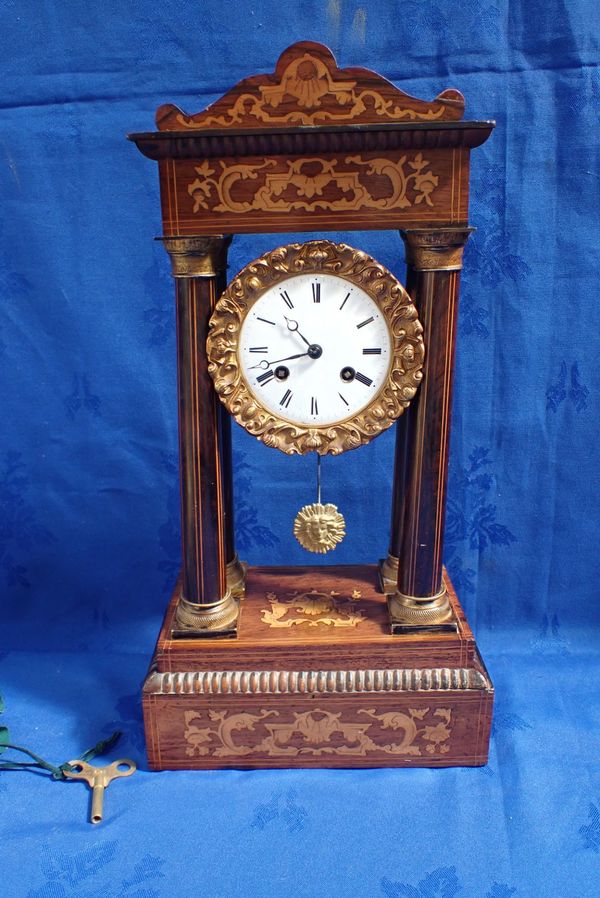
315	347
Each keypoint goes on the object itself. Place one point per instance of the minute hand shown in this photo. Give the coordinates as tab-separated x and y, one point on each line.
264	364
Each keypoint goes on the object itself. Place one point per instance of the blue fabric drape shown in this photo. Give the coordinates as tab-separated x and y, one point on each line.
89	515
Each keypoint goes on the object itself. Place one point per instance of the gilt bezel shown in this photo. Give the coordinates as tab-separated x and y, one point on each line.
407	349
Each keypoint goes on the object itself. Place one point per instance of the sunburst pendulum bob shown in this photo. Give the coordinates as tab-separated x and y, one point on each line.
317	527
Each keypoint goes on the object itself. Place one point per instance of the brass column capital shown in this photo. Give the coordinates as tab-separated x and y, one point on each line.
435	249
197	257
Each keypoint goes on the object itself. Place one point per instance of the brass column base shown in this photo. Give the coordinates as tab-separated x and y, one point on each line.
413	614
409	614
388	575
200	621
236	577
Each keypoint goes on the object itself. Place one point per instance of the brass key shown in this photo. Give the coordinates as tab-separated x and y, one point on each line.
98	779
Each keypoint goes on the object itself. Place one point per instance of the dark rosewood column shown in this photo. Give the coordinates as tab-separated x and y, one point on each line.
206	604
236	569
434	261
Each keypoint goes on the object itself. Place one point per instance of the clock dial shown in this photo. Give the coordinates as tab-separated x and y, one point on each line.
315	349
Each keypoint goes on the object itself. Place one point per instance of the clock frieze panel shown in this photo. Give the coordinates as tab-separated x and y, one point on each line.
308	183
365	189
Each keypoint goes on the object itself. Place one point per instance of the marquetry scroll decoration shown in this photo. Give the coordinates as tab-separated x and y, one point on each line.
318	733
307	88
283	185
315	256
313	609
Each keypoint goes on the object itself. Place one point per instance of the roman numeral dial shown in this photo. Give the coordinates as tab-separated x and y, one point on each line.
315	350
315	347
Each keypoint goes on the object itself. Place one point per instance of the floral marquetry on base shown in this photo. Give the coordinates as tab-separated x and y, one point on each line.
318	732
315	679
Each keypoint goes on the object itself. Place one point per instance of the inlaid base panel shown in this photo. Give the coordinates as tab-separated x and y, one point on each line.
315	679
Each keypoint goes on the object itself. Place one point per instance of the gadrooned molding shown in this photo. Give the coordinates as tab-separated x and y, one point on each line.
300	682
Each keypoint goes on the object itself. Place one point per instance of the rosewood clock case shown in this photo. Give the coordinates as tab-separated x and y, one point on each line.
348	666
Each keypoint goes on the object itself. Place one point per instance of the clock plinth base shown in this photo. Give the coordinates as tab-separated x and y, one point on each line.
316	679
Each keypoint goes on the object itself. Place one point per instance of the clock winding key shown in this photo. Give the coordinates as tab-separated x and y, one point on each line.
98	778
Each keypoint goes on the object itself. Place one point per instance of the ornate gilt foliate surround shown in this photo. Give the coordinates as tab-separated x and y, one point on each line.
316	256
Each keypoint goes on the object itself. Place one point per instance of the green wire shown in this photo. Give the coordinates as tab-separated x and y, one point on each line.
57	773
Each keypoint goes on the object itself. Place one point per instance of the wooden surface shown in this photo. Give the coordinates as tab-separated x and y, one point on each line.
265	643
423	440
294	141
226	456
189	732
312	147
308	88
246	194
203	489
381	700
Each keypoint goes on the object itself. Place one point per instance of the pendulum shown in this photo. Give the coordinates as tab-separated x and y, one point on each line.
319	528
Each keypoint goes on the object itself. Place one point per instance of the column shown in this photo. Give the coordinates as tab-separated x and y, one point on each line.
418	597
206	605
235	569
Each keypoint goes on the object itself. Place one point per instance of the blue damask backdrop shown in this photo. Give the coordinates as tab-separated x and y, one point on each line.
89	542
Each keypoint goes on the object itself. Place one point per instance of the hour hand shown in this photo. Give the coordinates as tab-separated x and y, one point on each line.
293	326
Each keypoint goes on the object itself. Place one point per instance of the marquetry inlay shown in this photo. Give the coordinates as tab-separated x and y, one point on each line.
318	732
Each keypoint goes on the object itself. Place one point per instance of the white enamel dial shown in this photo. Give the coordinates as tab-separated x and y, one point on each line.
315	349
